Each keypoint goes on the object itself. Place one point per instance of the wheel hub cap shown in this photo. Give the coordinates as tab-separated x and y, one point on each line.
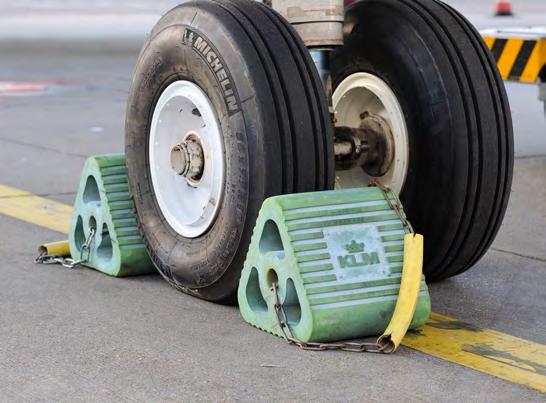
186	157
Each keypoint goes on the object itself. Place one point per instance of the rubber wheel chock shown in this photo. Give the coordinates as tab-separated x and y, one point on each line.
103	202
337	257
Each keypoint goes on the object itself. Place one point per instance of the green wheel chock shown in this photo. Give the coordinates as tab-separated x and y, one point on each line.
103	202
337	258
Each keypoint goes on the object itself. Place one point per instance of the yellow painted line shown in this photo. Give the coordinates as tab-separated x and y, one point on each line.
507	357
34	209
508	57
510	358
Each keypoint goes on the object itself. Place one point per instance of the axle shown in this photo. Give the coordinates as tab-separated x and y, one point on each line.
371	146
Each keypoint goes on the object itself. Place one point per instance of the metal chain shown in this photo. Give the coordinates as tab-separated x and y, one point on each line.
282	321
396	207
70	263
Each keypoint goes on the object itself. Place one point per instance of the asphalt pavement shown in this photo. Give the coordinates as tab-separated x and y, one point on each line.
78	335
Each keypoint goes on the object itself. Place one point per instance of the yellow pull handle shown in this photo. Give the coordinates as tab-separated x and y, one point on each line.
412	272
61	249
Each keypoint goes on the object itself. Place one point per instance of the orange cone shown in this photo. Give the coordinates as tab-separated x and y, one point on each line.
503	8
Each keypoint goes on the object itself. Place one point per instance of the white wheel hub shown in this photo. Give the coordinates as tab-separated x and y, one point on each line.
360	93
188	185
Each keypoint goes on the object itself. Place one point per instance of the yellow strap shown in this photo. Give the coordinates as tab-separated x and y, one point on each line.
61	248
408	295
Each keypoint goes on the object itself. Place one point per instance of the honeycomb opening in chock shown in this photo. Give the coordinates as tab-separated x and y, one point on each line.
105	251
254	295
291	304
271	240
91	192
271	278
79	234
92	223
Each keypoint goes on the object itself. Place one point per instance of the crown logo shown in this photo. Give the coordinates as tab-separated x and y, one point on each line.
354	247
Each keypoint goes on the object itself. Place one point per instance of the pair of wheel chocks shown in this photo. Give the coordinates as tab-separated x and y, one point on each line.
340	264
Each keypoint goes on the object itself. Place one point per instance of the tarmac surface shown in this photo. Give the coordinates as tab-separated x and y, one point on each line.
78	335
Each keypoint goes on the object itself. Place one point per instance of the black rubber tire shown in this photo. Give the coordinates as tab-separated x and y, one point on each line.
458	117
277	140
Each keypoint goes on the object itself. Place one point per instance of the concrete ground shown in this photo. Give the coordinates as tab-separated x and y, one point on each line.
78	335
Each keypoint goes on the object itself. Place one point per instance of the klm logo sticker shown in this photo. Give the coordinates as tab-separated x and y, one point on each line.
357	256
213	59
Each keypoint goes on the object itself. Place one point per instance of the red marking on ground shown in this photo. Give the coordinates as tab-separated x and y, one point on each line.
18	87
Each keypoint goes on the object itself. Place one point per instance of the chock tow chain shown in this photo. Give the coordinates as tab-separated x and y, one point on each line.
396	207
353	347
45	258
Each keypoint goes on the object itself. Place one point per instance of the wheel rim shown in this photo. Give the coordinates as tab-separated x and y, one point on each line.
184	113
365	92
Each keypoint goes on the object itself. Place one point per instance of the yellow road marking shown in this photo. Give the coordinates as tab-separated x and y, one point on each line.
507	357
34	209
508	57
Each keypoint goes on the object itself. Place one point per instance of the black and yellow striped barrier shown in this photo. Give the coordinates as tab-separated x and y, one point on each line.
520	53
